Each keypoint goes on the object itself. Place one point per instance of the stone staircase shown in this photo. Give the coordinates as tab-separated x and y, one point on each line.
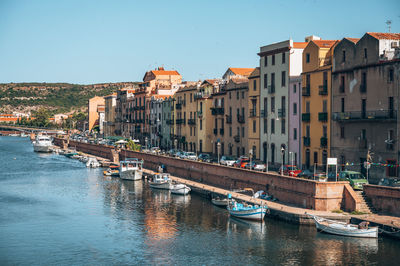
365	204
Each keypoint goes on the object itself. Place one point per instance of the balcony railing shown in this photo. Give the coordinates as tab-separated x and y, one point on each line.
281	113
323	89
305	117
191	121
253	113
142	107
323	116
306	141
170	121
217	110
306	91
215	131
324	142
240	119
264	113
221	131
180	121
236	138
271	88
389	115
363	144
229	119
178	106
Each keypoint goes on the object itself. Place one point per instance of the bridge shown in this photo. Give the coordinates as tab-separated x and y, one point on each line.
6	129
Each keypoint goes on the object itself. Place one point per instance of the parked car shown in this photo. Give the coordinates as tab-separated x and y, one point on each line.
155	150
289	170
256	165
389	182
306	174
356	179
204	157
241	162
172	152
180	154
227	160
191	156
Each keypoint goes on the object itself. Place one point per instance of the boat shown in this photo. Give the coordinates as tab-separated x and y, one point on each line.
344	229
92	163
180	189
111	171
131	169
69	154
42	143
247	211
220	202
161	181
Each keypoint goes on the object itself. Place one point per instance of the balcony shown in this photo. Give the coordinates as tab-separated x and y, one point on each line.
306	141
170	121
191	121
305	117
323	89
240	119
363	144
179	121
306	91
142	107
264	113
271	88
358	116
217	110
281	113
135	108
324	142
215	131
236	138
198	95
199	114
363	88
221	131
229	119
178	106
253	113
323	117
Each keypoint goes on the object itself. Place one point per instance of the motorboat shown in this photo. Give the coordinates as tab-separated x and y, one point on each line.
131	169
92	163
112	171
247	211
161	181
220	202
42	143
180	189
344	229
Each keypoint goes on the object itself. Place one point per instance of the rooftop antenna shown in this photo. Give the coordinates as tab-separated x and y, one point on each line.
389	24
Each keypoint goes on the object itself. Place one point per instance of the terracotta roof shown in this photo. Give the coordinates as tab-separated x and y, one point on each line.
384	36
354	40
165	72
6	115
324	43
100	109
8	118
300	45
255	73
241	71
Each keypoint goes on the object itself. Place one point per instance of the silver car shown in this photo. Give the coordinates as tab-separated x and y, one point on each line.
227	160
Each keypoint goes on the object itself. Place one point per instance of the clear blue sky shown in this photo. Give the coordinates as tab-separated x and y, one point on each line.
110	41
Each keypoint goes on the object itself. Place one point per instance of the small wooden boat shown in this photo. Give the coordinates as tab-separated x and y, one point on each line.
344	229
180	189
220	202
161	181
247	211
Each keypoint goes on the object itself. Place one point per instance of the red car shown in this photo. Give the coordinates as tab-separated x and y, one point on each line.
290	170
241	162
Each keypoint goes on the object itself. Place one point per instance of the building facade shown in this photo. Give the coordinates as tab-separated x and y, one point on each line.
93	114
253	129
110	102
295	121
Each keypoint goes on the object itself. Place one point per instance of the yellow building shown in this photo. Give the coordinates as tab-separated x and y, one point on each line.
254	113
93	110
316	102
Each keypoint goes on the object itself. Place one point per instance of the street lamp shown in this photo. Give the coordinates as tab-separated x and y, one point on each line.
218	149
146	139
176	143
251	156
282	153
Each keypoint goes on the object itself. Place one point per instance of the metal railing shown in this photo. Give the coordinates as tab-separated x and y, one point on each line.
306	91
323	89
323	116
365	116
305	117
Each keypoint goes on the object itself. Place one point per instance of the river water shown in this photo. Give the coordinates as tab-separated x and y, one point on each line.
55	211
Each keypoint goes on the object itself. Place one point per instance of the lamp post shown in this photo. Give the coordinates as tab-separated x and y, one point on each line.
251	156
282	153
176	143
146	139
218	149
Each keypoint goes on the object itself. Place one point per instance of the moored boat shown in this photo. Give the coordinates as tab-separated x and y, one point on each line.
247	211
180	189
92	163
220	202
42	143
161	181
112	171
131	169
344	229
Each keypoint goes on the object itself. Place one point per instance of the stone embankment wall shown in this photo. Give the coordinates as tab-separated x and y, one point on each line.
384	199
324	196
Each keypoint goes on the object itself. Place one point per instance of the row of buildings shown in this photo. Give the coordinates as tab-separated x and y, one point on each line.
305	102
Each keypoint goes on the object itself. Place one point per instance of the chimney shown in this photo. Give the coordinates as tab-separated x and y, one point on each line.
311	38
161	68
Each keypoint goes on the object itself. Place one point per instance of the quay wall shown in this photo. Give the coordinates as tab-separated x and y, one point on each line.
322	196
384	199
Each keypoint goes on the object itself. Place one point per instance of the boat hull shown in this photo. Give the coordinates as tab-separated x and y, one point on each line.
220	202
365	233
253	214
41	148
180	189
161	185
133	175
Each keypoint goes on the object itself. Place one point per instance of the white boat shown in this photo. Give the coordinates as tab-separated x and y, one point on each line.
180	189
131	169
344	229
92	163
220	202
248	211
42	143
161	181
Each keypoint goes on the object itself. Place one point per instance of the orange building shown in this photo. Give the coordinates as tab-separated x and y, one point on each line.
93	110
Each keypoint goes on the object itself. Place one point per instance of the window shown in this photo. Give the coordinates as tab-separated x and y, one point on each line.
324	106
294	88
342	105
254	84
272	79
254	126
294	108
283	57
242	94
283	78
307	107
363	86
283	126
295	133
272	104
265	60
190	131
230	95
341	88
273	59
342	132
201	124
230	131
272	126
365	53
316	158
307	58
237	95
265	81
238	131
201	107
324	131
191	98
243	132
343	56
390	75
265	126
